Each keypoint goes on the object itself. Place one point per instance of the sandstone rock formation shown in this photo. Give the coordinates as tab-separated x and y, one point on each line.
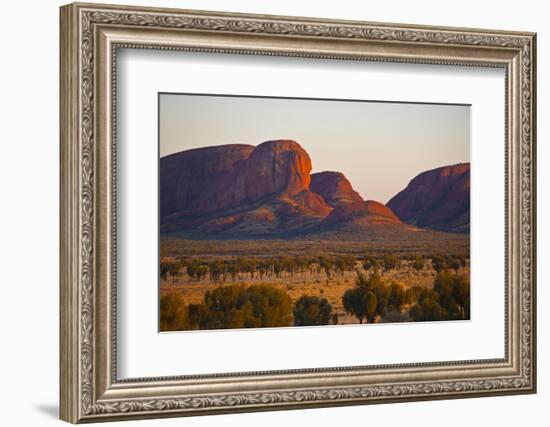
380	213
351	216
203	180
335	188
268	191
274	167
358	215
239	189
438	199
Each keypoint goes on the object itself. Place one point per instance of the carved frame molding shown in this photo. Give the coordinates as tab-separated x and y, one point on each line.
90	36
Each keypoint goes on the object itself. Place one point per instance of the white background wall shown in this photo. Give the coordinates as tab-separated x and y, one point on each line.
29	171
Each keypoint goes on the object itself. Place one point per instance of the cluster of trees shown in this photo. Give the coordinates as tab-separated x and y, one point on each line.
386	263
219	270
236	306
372	297
441	263
448	300
417	262
240	306
313	311
171	268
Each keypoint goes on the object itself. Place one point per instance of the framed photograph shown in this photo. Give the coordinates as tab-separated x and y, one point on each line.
266	212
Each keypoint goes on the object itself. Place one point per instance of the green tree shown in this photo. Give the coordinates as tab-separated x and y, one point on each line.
455	264
344	263
390	262
367	264
233	270
461	294
170	268
412	294
383	292
372	305
312	311
418	263
438	263
217	270
173	313
371	263
454	293
327	264
448	300
396	298
240	306
201	272
163	270
360	303
362	280
196	314
428	307
368	299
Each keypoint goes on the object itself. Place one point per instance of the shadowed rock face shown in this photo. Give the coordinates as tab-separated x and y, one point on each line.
203	180
437	199
351	212
335	188
360	213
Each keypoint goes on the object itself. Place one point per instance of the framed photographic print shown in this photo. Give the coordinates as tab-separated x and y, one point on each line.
265	212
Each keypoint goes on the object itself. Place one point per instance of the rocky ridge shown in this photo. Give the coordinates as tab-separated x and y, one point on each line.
267	191
438	199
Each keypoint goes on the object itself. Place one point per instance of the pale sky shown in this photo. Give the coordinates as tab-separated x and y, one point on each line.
378	146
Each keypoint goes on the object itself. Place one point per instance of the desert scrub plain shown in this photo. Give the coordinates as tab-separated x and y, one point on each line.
393	280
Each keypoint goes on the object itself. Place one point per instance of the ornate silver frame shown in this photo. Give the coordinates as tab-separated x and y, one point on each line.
90	36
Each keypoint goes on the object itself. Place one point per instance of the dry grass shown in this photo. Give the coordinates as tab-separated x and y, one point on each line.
317	284
446	245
